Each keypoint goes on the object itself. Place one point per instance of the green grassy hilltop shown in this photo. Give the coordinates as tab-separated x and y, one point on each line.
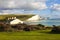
21	17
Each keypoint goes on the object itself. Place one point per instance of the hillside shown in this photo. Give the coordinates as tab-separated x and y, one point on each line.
21	17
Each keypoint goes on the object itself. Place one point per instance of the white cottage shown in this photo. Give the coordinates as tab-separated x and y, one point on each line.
34	18
16	21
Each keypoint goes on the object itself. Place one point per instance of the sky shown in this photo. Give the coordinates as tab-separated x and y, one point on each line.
45	8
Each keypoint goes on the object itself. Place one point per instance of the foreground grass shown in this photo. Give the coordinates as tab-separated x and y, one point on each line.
32	35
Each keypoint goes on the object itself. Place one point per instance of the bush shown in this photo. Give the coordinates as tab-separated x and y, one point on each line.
18	27
26	29
4	27
55	29
41	26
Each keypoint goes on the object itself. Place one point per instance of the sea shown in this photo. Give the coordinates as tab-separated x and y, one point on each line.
47	22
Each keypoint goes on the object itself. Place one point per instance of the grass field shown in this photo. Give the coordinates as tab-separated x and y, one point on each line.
32	35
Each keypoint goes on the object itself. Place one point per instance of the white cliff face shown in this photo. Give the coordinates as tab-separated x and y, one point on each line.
34	18
16	21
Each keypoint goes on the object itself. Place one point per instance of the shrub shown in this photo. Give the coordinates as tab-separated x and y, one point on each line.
55	29
41	26
4	27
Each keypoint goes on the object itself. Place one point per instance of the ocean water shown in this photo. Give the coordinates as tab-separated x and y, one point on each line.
47	22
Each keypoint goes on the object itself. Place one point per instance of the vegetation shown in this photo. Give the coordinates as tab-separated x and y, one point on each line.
21	17
27	32
55	29
31	35
19	27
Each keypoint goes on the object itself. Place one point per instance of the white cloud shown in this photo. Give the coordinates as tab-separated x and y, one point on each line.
24	4
39	5
56	7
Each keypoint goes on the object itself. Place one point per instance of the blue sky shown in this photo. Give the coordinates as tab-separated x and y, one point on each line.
46	8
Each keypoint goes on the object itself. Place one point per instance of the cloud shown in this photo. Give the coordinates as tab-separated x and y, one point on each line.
56	7
24	4
39	5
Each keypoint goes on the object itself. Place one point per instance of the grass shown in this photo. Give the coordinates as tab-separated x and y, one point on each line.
21	17
32	35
